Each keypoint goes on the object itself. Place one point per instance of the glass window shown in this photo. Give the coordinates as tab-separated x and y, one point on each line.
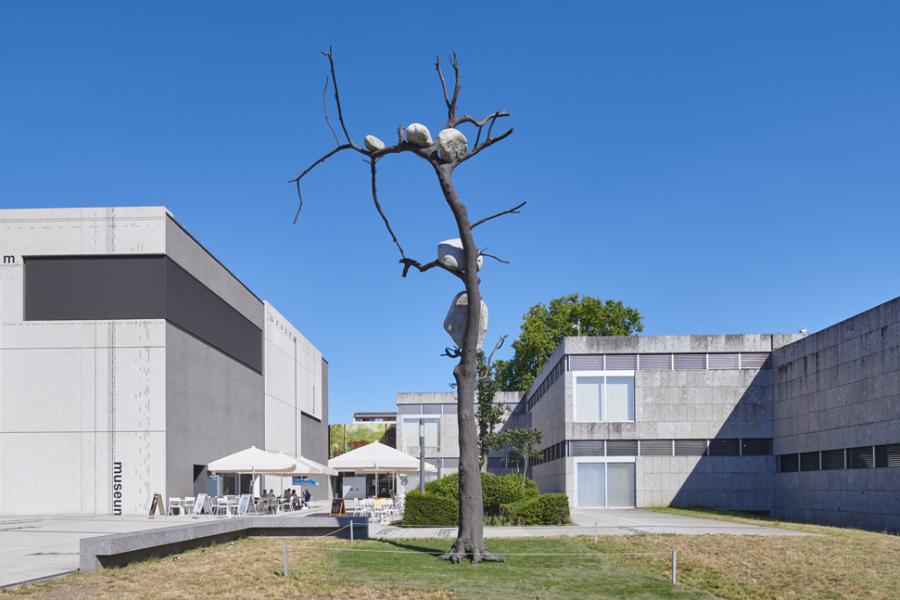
619	399
409	409
591	484
588	398
430	428
431	409
621	484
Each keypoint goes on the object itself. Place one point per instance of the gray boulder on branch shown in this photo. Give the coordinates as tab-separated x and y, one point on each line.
373	144
458	315
452	145
450	255
418	134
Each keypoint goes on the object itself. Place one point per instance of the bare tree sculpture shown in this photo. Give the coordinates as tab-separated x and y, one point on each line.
444	155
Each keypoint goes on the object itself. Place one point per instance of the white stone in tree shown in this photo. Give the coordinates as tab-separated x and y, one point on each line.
458	315
418	134
452	145
373	144
450	255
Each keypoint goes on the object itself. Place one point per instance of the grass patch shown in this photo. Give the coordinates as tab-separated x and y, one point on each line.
579	571
330	568
836	563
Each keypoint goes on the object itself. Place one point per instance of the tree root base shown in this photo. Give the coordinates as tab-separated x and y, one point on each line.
459	553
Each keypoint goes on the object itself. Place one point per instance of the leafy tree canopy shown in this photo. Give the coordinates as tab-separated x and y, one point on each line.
544	326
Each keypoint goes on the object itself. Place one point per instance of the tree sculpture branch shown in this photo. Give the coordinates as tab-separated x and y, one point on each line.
509	211
470	538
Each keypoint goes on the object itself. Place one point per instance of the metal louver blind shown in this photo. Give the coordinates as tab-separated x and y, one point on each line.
809	461
832	459
655	362
621	362
788	463
621	448
887	456
690	447
860	458
656	447
756	446
753	360
724	361
690	362
723	447
586	362
587	448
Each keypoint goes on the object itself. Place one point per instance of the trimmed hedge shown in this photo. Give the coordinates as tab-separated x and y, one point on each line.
546	509
496	490
430	509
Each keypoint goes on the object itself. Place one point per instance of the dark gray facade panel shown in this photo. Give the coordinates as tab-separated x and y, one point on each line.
214	406
196	309
314	437
95	288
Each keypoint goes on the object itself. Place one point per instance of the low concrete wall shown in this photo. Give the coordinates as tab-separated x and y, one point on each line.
122	548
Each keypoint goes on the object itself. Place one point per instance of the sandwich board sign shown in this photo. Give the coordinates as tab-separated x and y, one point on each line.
199	504
244	504
157	504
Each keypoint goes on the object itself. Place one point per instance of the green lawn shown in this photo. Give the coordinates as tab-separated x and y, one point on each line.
578	572
834	563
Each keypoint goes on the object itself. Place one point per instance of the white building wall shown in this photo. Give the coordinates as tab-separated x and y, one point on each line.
293	385
78	398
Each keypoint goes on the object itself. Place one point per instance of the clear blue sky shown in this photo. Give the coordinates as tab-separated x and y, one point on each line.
723	167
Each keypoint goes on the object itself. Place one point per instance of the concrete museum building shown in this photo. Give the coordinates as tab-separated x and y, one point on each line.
803	427
130	358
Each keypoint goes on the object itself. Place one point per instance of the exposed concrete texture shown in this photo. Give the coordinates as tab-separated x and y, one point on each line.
214	407
196	260
443	405
121	548
840	388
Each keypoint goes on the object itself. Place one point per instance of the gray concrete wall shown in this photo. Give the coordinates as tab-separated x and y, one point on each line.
840	388
214	406
196	260
703	404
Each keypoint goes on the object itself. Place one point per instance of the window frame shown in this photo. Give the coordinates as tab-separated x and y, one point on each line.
604	375
605	460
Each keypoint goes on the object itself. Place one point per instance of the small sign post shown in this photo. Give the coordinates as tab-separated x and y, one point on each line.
337	507
157	504
199	503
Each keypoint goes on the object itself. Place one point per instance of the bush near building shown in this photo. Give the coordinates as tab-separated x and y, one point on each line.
496	490
509	499
546	509
430	510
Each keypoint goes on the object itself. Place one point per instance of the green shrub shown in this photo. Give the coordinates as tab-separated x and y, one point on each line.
546	509
430	509
496	490
447	486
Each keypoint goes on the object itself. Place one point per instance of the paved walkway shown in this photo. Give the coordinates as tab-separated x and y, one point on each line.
601	521
36	547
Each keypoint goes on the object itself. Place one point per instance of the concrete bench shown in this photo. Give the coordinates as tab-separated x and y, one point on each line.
121	548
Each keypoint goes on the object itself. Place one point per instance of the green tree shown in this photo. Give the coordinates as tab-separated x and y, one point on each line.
523	446
544	326
490	414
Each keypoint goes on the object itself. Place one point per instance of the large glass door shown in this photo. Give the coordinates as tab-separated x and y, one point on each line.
605	485
620	477
591	484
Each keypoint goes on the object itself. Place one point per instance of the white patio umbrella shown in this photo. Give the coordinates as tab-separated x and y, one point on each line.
377	458
305	466
253	460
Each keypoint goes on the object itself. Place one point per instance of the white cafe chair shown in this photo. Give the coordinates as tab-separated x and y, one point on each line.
175	504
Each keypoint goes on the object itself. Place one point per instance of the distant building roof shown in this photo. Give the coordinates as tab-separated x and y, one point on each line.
374	416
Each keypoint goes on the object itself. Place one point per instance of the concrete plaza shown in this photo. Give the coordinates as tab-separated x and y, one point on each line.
601	521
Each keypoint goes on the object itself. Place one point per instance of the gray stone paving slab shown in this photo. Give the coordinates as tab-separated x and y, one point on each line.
606	521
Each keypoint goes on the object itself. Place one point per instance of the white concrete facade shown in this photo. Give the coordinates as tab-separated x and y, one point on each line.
98	415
